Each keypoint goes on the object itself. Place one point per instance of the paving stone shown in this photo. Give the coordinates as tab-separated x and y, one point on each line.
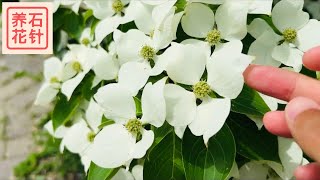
16	103
15	87
19	147
24	99
6	77
7	165
29	63
19	125
2	150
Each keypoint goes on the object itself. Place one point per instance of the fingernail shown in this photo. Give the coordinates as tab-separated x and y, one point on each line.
297	106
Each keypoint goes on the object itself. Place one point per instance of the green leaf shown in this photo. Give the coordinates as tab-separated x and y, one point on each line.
97	172
138	106
73	25
212	162
58	17
252	143
249	102
180	4
85	86
160	133
64	109
105	122
68	21
164	160
87	14
126	27
308	72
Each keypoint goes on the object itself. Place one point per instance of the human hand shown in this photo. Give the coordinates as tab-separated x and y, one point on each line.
301	117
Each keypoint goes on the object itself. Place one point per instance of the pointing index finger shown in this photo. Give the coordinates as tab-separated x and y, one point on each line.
281	84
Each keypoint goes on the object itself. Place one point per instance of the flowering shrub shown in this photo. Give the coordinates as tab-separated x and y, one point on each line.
153	89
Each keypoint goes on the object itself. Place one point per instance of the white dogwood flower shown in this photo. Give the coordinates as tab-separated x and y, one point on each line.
203	120
266	41
53	79
229	22
117	144
112	13
136	51
187	67
298	34
78	62
291	156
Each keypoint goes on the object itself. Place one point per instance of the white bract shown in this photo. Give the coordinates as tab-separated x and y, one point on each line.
135	174
255	6
159	22
112	13
74	5
107	66
256	170
117	144
53	79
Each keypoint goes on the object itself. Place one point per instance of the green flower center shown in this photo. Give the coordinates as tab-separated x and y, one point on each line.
289	35
117	6
85	41
147	52
91	136
201	89
76	66
54	80
213	37
134	126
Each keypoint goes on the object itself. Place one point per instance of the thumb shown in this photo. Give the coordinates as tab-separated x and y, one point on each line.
303	118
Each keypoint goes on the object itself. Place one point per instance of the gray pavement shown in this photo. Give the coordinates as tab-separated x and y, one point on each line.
17	112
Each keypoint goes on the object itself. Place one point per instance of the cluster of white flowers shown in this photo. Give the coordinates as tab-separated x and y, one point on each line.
187	82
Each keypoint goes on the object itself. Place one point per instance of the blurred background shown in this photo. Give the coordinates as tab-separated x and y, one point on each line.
26	150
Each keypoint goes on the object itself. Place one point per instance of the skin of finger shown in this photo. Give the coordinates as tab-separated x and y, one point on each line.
308	172
311	59
281	84
306	132
276	124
